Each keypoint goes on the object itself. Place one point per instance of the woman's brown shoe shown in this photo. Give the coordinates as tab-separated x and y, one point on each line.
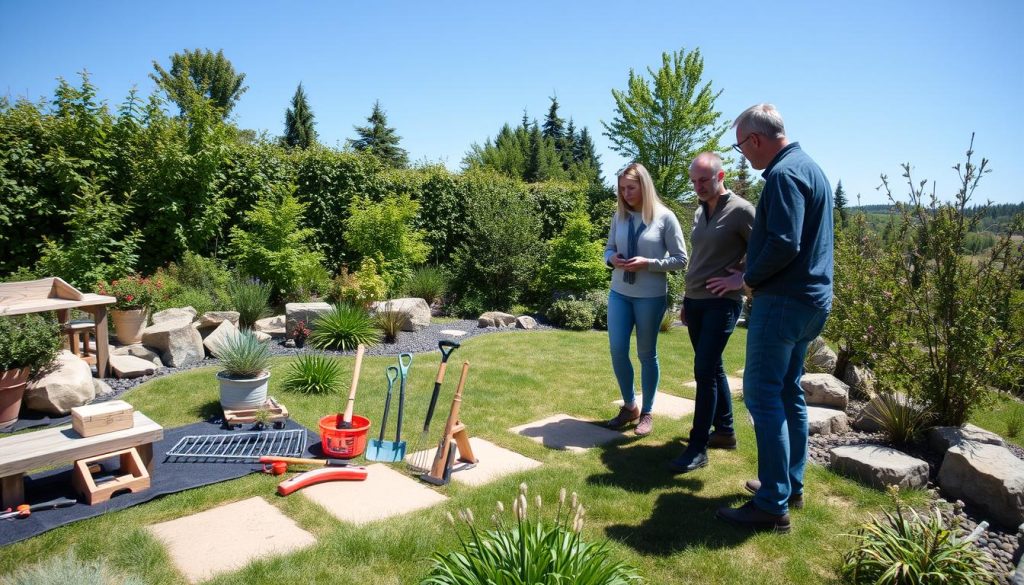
626	415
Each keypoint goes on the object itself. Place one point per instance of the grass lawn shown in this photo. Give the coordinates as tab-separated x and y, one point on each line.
661	524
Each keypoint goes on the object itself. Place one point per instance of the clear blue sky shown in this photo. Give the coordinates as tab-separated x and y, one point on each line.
864	86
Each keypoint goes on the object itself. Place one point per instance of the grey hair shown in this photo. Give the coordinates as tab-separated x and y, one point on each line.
713	160
762	119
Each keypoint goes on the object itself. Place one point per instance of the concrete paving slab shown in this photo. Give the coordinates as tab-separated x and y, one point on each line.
735	386
452	332
494	463
227	538
385	493
669	406
567	433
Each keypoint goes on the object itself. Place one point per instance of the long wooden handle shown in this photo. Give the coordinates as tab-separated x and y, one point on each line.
355	383
441	456
304	461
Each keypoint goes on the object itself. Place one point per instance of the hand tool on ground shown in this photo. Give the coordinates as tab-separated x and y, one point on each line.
379	449
279	465
25	510
454	431
421	457
346	421
321	475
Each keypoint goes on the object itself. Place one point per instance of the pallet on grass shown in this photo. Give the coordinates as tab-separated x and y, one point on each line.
237	416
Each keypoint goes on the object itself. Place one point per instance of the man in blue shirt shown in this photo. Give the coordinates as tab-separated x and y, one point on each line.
789	271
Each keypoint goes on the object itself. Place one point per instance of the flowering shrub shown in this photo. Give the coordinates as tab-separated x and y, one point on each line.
300	332
132	292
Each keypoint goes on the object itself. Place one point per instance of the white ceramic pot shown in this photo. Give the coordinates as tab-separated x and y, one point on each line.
236	394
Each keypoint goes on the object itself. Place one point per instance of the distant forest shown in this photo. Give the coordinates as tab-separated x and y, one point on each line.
996	218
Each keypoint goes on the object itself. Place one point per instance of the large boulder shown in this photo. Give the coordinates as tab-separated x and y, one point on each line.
415	311
525	322
220	336
174	314
826	421
861	380
140	351
820	358
879	466
987	476
940	439
825	390
272	326
308	312
65	384
129	366
178	342
495	319
211	319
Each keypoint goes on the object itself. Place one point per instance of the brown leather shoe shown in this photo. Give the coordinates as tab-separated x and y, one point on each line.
645	426
750	516
626	415
796	501
718	440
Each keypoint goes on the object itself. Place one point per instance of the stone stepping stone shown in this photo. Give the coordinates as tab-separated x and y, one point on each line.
669	406
384	493
452	332
566	433
879	466
227	538
494	462
826	421
129	366
735	386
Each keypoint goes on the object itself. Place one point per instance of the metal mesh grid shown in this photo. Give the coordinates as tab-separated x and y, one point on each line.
243	446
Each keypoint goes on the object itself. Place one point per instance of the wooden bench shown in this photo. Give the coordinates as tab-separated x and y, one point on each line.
53	294
51	447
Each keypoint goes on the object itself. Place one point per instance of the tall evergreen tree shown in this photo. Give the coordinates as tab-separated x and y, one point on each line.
298	122
380	140
568	150
554	127
839	203
664	123
585	155
200	74
744	184
534	172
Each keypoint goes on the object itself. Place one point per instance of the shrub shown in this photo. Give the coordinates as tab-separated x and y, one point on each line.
900	419
344	327
30	341
572	314
599	299
313	374
361	288
525	550
906	547
244	356
428	283
390	322
133	292
575	264
198	273
188	297
384	231
311	280
467	306
251	299
1015	421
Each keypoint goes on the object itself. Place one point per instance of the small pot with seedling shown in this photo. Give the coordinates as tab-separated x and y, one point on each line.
261	419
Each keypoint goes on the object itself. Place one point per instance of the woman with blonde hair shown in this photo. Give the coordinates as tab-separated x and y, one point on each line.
645	242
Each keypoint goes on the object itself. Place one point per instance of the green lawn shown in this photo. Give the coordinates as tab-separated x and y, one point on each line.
663	525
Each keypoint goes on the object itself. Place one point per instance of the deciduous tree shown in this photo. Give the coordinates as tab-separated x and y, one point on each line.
201	73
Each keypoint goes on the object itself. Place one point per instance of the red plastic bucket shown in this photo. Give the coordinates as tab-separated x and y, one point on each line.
343	443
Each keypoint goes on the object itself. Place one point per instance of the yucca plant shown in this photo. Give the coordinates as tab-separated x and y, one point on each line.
244	356
390	322
526	550
344	327
900	418
313	374
427	283
907	548
251	299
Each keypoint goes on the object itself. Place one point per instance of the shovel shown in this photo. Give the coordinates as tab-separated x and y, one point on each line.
421	458
379	449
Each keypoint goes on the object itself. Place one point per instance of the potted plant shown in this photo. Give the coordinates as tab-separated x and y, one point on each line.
135	296
245	374
28	343
299	333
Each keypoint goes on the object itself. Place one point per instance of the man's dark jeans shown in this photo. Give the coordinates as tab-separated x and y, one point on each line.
710	323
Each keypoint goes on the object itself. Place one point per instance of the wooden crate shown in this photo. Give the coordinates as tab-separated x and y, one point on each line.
276	410
106	417
132	476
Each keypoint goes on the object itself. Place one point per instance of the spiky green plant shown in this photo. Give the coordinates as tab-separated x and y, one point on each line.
907	548
900	418
427	283
666	320
251	299
390	322
313	374
525	550
1015	421
244	356
344	327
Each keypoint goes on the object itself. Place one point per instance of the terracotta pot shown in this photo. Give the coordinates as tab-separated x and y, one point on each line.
12	389
237	394
128	324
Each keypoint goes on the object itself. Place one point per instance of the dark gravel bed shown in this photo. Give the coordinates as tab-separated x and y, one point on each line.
1001	544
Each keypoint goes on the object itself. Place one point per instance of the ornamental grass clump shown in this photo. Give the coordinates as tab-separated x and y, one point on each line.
907	548
900	419
390	321
244	356
313	374
251	299
344	327
524	549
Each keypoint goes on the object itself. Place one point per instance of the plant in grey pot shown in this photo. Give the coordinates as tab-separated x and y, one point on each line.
28	343
245	374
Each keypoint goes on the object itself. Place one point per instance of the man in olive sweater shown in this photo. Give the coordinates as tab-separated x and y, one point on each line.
721	229
789	270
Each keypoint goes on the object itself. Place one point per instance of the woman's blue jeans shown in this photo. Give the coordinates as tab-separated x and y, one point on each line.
779	331
643	313
710	323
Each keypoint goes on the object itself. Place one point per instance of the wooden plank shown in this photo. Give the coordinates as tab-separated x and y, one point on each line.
63	290
27	305
50	447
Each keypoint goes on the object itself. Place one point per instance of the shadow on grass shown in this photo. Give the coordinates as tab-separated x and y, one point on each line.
210	412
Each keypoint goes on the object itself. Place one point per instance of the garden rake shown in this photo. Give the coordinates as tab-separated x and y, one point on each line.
421	458
454	432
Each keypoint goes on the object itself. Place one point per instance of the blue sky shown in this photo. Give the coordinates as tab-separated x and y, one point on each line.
864	86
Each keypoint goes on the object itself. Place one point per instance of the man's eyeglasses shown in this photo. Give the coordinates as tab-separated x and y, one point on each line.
737	146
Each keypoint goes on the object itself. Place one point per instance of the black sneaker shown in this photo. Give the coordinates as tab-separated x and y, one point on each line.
796	501
689	461
750	516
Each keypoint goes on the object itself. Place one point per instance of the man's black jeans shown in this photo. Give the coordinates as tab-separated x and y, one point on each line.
710	323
